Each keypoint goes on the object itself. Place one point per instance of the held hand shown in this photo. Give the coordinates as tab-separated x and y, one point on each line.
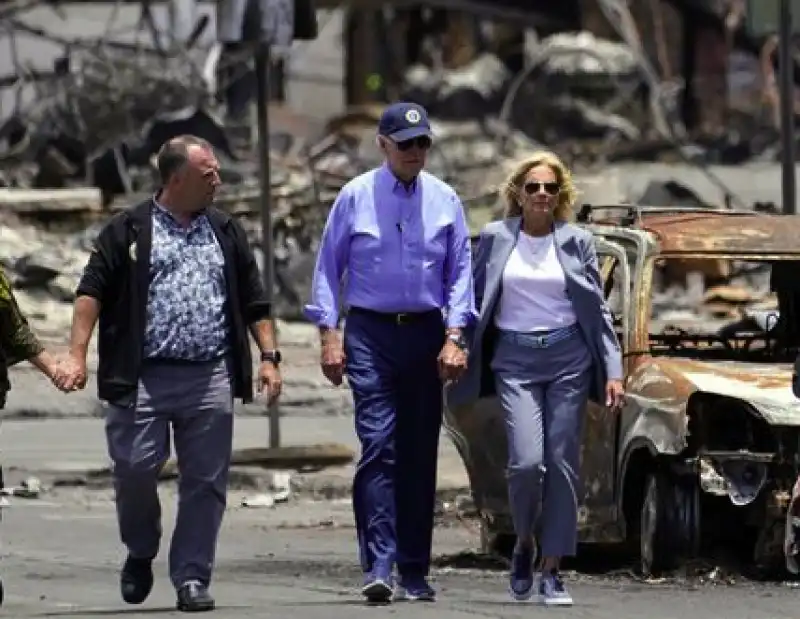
615	395
55	372
70	373
332	358
452	362
270	382
48	365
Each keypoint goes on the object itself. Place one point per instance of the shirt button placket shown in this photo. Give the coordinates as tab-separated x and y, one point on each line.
408	262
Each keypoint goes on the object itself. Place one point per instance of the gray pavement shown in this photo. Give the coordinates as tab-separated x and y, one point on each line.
47	433
306	391
61	558
67	448
32	397
60	552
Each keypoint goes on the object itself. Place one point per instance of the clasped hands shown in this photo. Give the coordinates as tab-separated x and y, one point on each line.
68	373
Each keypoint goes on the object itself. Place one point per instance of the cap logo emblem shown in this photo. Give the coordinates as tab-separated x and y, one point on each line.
413	116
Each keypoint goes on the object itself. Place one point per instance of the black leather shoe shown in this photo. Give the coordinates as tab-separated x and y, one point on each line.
136	580
193	597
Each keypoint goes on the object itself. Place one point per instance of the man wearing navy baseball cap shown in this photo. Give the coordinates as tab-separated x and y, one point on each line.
401	236
404	121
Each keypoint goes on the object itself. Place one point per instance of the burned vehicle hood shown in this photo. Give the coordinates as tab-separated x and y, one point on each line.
767	387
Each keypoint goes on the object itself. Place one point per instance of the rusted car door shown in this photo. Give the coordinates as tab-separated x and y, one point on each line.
598	450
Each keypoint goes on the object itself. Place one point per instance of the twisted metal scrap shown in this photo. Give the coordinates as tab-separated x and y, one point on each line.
18	6
663	96
106	91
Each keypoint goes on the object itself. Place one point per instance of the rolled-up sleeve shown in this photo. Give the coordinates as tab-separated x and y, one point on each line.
459	289
16	338
612	353
332	258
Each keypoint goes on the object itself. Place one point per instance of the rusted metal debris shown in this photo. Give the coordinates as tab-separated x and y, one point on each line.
724	234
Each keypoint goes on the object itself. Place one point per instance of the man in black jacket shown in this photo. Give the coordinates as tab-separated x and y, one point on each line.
176	287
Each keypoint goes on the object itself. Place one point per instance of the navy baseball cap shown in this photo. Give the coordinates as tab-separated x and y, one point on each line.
404	121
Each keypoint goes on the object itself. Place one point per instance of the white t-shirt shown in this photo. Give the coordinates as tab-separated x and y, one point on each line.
534	295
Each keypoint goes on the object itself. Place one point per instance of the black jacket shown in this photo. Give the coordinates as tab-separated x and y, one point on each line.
118	275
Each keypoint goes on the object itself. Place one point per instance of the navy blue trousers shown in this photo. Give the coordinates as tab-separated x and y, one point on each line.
392	371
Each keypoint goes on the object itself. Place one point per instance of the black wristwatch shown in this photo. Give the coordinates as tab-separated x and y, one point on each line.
459	340
271	356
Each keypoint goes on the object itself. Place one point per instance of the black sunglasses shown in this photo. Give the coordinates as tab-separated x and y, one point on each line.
551	189
422	142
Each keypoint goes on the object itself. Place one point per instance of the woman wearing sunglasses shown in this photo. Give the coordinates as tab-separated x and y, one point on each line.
546	336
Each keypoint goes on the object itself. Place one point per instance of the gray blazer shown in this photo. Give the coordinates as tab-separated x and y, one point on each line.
578	257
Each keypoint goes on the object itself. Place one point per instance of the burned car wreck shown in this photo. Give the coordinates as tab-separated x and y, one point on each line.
706	450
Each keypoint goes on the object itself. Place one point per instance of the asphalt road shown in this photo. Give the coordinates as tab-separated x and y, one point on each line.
61	558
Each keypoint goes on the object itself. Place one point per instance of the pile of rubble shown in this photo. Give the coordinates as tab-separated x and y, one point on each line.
581	86
103	113
46	180
45	265
106	106
85	148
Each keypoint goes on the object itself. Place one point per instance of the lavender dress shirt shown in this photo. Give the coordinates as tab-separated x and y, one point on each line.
402	250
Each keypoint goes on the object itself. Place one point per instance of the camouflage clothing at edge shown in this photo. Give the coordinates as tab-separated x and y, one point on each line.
17	341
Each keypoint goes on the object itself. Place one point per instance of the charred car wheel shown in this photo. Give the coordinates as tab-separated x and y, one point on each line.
669	522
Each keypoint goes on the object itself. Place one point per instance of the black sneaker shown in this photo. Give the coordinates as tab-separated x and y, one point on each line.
193	597
136	580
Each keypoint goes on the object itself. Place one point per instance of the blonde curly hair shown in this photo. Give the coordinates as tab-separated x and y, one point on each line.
567	195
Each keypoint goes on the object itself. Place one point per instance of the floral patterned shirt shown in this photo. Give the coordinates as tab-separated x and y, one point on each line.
186	313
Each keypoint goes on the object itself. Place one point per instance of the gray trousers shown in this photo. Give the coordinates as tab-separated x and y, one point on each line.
544	392
196	400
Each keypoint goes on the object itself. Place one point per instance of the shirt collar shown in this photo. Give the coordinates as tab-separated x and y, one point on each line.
160	208
397	185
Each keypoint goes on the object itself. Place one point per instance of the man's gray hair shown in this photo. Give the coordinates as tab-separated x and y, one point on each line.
174	154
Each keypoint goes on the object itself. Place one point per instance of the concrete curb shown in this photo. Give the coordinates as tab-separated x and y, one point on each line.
328	485
317	456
